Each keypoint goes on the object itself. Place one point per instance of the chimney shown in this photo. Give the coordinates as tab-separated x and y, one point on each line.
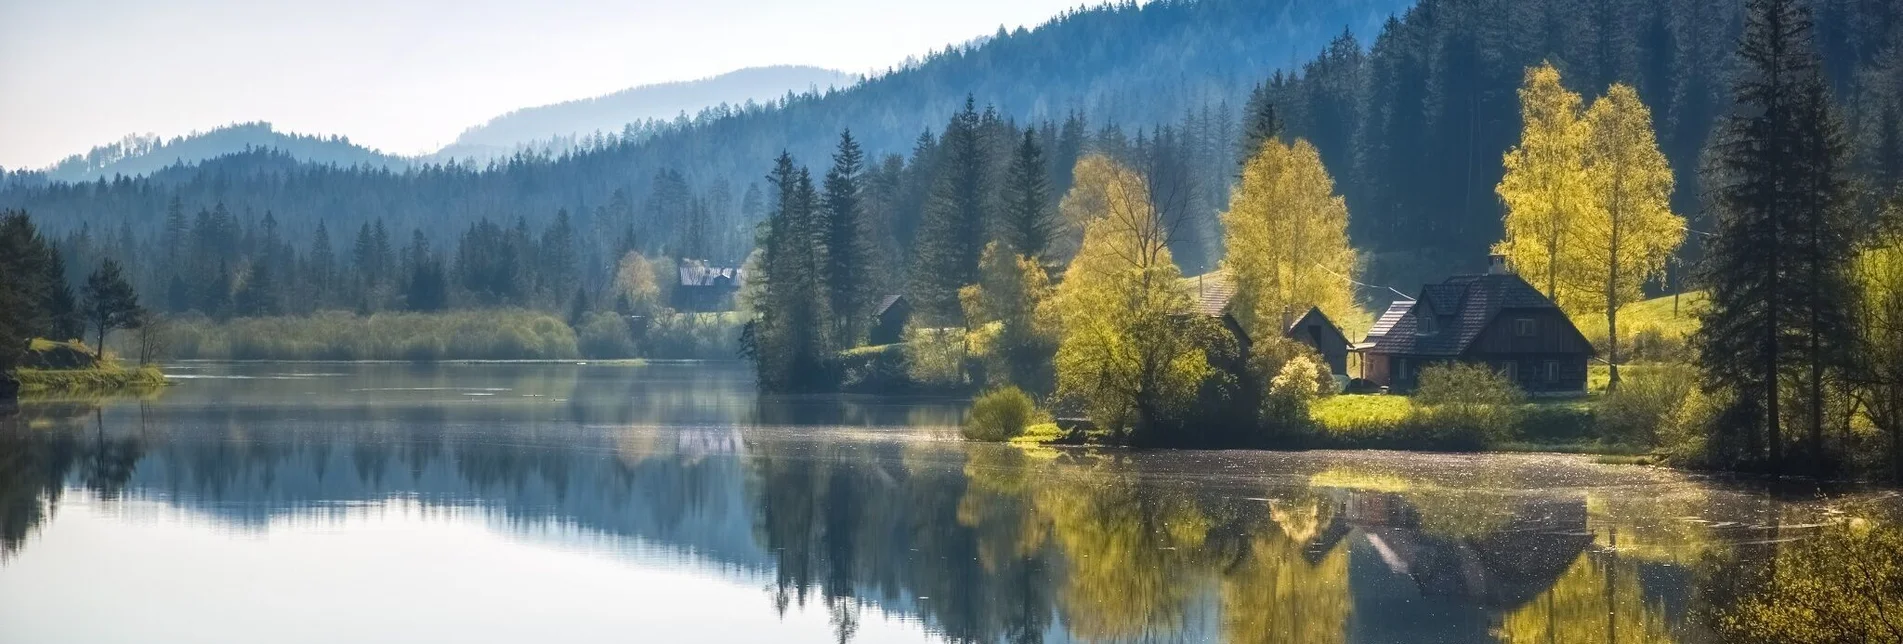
1497	265
1288	318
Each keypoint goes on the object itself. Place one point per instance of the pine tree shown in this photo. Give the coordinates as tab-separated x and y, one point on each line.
952	233
1777	267
1260	125
1027	226
846	266
110	303
787	338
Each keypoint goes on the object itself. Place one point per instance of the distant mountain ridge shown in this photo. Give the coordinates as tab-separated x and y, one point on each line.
550	128
140	155
612	113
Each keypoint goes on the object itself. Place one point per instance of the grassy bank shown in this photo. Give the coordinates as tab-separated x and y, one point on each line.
1398	422
93	379
497	334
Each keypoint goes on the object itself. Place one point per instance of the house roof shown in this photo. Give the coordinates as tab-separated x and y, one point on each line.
699	273
1326	330
1462	306
886	303
1385	323
1211	293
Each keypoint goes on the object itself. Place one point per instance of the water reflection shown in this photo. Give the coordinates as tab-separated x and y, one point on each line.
857	508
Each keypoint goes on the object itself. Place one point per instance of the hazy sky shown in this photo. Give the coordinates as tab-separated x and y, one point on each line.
407	76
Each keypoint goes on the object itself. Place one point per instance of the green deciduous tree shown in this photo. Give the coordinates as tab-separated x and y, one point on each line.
1287	234
1121	309
1628	232
1545	186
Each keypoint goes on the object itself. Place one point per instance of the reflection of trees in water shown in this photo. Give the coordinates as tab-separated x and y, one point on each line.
43	452
1843	582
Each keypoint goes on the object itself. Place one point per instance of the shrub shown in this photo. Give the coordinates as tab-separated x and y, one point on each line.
935	358
1645	402
1298	384
1468	405
1000	415
605	335
685	335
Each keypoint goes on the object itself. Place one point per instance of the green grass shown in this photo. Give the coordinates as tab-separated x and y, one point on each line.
107	378
1395	422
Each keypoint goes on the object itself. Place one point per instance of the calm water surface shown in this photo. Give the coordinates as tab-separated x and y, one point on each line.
662	503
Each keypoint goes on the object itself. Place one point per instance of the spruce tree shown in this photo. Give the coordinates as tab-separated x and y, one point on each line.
1777	268
952	233
1027	226
846	265
1259	125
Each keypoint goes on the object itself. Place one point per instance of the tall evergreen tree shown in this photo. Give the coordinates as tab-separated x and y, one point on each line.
1027	225
1260	123
1777	268
110	303
952	233
847	264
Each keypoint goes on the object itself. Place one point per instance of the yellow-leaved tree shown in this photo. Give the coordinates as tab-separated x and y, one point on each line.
1287	235
1545	187
1629	232
1120	310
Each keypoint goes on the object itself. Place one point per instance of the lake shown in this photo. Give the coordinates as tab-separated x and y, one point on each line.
670	502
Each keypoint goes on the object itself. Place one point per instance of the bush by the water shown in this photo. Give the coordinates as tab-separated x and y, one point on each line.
504	334
1000	415
1646	400
1469	402
692	336
605	335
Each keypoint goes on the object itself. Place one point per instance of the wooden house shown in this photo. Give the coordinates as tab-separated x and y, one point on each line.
1495	319
888	320
706	288
1213	293
1319	333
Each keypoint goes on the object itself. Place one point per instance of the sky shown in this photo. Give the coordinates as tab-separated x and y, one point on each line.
406	76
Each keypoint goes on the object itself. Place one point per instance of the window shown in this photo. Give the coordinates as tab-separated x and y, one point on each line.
1511	372
1525	327
1400	368
1552	370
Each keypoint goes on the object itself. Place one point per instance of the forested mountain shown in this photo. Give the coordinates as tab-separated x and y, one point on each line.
1412	118
1127	64
138	155
571	121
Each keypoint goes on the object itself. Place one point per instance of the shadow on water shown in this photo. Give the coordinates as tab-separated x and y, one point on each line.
847	504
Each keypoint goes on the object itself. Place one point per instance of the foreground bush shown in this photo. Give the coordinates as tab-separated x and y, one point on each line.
605	335
1646	400
1468	404
1000	415
505	334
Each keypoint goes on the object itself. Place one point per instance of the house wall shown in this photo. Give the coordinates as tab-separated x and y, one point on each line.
1552	333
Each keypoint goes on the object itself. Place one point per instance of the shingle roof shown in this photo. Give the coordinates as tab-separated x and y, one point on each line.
1211	292
1463	306
1385	323
886	303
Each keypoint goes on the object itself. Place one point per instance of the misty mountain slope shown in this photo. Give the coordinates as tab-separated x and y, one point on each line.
611	113
1135	65
139	155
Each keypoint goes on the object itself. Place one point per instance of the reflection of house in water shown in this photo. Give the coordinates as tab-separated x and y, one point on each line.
1461	583
706	288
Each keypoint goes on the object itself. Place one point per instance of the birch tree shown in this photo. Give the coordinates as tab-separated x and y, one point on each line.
1287	234
1628	231
1545	185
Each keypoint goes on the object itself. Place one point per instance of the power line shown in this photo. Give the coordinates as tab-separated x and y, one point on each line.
1351	280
